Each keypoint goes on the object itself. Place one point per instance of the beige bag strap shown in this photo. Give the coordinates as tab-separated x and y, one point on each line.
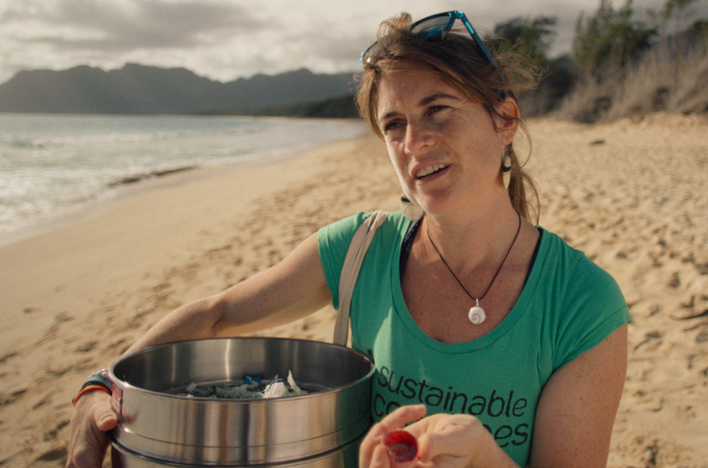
350	272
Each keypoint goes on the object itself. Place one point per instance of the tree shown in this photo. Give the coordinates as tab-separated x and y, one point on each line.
531	38
676	12
610	39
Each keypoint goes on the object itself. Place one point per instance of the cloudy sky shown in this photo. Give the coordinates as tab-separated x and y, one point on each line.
226	39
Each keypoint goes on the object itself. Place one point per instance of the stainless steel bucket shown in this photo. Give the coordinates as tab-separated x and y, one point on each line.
342	457
320	429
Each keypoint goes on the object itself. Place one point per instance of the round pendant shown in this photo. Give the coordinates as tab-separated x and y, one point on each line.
477	315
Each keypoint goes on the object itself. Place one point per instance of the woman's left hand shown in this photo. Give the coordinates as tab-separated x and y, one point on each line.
444	440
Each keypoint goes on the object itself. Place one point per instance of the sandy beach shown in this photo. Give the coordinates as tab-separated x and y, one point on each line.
632	194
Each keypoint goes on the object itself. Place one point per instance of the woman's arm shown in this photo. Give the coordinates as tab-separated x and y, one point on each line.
578	406
292	289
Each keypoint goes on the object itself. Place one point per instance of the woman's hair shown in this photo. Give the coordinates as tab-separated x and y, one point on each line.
457	60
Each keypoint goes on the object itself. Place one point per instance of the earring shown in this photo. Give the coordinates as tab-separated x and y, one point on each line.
506	168
410	209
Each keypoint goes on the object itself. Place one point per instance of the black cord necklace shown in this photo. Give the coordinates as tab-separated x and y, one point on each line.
476	313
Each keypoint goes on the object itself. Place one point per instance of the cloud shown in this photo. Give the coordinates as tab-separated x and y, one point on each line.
225	39
129	24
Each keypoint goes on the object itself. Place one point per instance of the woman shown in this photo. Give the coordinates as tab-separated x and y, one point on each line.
513	343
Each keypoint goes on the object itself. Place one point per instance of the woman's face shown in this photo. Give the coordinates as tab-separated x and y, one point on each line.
445	149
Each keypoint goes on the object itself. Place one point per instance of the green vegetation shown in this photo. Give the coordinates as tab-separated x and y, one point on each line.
610	39
531	39
623	62
628	66
337	108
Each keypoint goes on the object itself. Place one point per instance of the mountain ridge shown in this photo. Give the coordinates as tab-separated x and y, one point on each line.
143	89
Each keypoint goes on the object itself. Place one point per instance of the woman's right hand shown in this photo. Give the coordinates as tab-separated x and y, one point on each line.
444	441
92	418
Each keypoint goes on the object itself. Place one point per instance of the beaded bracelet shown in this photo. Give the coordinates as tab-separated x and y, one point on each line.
88	389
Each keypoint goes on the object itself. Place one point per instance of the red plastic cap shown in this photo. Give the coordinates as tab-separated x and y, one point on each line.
402	449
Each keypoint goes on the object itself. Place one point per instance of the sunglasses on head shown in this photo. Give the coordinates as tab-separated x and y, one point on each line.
433	28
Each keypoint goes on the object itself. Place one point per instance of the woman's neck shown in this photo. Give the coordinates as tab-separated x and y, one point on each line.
468	241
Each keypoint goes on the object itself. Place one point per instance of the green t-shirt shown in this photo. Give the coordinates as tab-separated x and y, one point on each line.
568	306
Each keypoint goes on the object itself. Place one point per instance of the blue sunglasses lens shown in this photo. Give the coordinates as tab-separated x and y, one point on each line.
432	28
431	34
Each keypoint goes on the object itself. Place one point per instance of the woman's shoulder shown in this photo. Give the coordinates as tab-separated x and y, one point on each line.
578	276
573	260
585	303
334	241
344	229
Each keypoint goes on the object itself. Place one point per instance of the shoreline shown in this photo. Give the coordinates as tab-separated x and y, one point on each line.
118	192
125	183
140	213
633	195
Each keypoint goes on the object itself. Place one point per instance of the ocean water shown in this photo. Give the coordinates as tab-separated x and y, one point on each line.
55	165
